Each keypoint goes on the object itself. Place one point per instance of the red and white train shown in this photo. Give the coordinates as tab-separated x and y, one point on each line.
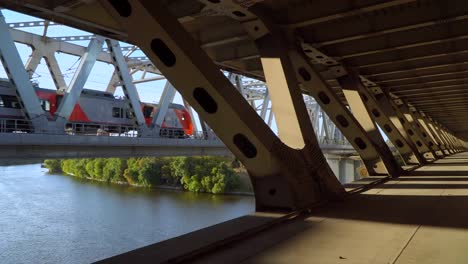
97	110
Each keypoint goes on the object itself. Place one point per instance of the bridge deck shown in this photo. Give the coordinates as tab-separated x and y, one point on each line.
419	218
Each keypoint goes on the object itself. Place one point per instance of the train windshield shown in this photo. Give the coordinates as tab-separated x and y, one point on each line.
148	111
9	101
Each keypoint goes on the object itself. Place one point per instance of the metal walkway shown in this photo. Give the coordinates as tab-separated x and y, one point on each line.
418	218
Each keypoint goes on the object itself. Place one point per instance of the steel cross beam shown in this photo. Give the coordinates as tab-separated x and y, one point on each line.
167	97
33	62
446	135
396	117
436	134
43	49
375	162
374	112
350	84
129	89
440	132
282	177
55	72
415	127
425	128
292	118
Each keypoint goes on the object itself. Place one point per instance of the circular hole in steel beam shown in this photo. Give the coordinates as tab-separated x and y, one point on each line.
387	128
205	100
375	112
238	13
163	52
399	143
122	7
342	121
324	97
304	74
245	145
360	143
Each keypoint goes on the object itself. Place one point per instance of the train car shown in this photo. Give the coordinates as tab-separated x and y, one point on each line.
96	110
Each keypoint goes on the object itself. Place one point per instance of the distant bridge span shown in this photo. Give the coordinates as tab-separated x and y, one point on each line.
49	146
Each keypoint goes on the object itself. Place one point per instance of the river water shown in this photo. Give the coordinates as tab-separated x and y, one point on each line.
48	218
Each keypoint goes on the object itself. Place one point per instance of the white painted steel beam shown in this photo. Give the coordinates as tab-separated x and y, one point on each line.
19	78
167	98
128	87
73	92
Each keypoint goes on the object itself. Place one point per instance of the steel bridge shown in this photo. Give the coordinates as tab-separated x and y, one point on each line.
395	65
45	136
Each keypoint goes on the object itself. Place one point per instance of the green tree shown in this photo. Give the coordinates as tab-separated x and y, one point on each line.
195	184
113	170
54	165
90	168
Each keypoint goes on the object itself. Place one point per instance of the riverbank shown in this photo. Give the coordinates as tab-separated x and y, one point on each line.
163	187
53	218
216	175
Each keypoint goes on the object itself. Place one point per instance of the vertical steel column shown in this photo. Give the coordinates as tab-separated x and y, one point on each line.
167	97
282	177
72	94
19	78
128	87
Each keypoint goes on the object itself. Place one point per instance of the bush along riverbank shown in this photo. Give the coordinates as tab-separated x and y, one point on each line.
196	174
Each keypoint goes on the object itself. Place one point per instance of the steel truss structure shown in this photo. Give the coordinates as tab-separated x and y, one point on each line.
46	47
353	72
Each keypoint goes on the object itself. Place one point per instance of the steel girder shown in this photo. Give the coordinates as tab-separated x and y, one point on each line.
19	79
269	161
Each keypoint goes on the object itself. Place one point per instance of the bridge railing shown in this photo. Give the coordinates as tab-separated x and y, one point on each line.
99	129
15	126
118	130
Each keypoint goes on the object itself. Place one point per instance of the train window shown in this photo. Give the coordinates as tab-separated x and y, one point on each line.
116	112
9	101
45	104
128	114
148	111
